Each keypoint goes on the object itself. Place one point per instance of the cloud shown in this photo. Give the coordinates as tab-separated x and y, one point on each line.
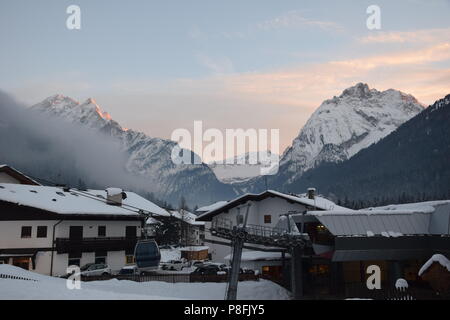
62	152
218	65
418	36
294	19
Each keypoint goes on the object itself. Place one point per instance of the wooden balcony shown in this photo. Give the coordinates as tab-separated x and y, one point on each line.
66	245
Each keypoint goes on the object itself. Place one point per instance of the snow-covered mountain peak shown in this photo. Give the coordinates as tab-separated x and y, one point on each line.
360	90
344	125
88	112
148	157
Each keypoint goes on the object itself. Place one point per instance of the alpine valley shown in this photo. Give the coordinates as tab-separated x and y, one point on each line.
335	133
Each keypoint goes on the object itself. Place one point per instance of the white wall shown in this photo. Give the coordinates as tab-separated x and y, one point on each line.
6	178
269	206
10	238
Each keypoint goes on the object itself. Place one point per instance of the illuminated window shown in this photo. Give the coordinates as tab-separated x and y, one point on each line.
129	259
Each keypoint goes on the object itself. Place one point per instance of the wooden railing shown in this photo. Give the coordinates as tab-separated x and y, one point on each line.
65	245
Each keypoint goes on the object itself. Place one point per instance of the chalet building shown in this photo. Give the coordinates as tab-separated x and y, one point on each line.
192	231
340	243
264	212
46	229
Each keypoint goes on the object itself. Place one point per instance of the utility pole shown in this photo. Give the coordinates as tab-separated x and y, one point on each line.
237	243
296	252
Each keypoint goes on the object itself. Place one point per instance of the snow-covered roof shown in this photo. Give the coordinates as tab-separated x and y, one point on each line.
213	206
318	202
55	199
439	258
151	220
187	217
194	248
259	256
388	221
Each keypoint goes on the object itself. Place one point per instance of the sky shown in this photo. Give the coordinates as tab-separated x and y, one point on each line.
157	66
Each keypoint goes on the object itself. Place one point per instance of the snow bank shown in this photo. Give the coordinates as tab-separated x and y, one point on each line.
48	288
439	258
170	254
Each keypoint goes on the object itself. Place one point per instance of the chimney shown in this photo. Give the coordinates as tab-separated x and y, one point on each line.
311	193
114	196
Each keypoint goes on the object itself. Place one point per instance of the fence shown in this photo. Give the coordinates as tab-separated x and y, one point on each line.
172	278
7	276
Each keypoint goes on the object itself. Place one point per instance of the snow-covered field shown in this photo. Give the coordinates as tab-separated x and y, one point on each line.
49	288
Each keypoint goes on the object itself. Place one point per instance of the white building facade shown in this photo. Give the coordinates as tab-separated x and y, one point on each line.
264	210
46	229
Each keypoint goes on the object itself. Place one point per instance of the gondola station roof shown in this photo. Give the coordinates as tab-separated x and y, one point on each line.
394	232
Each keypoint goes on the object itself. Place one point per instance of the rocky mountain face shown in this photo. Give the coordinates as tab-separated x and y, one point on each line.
147	157
340	128
411	164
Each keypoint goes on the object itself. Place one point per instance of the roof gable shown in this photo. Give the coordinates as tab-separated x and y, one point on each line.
319	203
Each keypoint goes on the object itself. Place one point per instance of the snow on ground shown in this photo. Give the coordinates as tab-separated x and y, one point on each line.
170	254
50	288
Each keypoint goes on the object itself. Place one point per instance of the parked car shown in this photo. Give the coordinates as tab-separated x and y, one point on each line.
196	263
248	271
210	269
96	270
174	265
129	270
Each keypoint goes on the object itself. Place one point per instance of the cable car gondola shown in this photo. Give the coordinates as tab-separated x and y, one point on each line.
147	255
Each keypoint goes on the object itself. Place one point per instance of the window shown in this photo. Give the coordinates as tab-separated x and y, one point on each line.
267	218
76	232
240	219
102	231
26	232
129	259
74	259
130	231
42	231
100	257
129	256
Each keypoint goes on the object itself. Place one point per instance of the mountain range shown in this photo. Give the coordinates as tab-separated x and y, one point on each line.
410	164
146	156
341	129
